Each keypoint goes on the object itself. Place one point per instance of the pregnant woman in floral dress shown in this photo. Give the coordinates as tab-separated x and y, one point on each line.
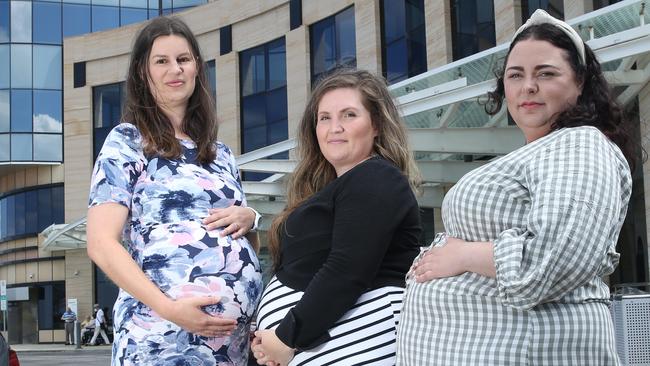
188	289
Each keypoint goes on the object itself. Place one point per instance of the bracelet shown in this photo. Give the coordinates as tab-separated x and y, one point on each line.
256	223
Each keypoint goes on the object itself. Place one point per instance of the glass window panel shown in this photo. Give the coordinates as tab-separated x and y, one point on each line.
187	3
106	2
253	71
211	70
3	210
105	17
323	49
4	21
417	55
76	19
31	211
47	147
278	131
153	13
346	37
47	23
47	67
253	111
140	4
20	213
130	16
5	111
254	138
4	147
21	21
277	64
47	111
58	206
167	4
396	61
21	111
414	13
153	4
77	1
107	105
21	147
45	314
276	105
11	216
394	20
44	208
21	66
4	66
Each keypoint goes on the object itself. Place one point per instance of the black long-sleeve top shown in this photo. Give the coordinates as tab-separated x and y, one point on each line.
359	233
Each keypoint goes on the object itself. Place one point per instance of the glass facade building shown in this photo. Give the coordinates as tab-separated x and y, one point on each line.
472	23
333	43
31	38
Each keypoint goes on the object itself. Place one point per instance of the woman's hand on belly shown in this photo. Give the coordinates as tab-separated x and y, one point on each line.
455	257
236	221
268	349
187	314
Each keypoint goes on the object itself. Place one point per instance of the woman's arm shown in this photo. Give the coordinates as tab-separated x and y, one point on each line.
104	229
456	257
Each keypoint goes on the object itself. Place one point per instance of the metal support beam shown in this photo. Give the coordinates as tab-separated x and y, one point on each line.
264	189
438	100
487	141
267	151
447	171
269	166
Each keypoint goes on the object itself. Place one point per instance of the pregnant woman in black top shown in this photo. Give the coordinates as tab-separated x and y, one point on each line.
350	230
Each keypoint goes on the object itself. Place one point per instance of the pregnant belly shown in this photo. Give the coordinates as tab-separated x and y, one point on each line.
184	260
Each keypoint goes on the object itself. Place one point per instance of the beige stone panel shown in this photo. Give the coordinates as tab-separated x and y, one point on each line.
59	335
79	278
107	70
3	270
57	173
20	243
20	273
574	8
298	80
11	274
437	16
31	272
45	271
368	35
58	270
19	178
507	18
3	184
78	169
10	182
228	100
44	174
260	29
314	10
209	43
45	336
31	177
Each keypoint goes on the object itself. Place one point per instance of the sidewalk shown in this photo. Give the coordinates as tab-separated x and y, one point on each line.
53	347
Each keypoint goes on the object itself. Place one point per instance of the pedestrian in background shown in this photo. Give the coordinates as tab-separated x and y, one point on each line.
100	326
69	317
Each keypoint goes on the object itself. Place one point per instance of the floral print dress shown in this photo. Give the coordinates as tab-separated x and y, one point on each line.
167	199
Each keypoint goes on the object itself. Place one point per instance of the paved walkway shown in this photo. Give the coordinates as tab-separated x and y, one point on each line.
53	347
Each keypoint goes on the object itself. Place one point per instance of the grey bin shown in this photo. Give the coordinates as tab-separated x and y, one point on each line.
631	317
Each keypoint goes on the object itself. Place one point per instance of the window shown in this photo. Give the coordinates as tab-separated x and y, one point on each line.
21	21
47	111
333	44
4	112
76	19
105	17
553	7
211	70
51	306
472	23
403	39
48	147
47	23
108	101
132	15
603	3
28	212
5	35
263	99
21	66
4	66
21	111
47	67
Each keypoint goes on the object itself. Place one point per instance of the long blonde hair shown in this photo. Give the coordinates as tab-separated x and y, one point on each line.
313	171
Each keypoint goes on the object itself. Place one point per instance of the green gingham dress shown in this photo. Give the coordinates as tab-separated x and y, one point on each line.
553	210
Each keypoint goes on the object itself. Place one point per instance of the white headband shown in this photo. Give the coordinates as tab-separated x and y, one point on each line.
542	17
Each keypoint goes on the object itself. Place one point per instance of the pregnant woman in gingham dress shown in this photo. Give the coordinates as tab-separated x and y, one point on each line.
517	278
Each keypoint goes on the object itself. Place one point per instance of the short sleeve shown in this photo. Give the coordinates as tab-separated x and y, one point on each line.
118	167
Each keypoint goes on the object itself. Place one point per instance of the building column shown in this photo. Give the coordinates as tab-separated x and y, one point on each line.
367	22
644	118
79	281
507	18
298	76
228	100
437	15
574	8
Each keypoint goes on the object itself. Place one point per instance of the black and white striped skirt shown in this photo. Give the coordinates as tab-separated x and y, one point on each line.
365	335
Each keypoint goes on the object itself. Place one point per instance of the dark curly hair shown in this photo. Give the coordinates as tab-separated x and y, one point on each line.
596	106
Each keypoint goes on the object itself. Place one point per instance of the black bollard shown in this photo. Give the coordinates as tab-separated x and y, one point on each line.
77	334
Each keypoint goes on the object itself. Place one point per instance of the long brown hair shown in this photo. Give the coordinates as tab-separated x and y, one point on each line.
314	171
141	109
